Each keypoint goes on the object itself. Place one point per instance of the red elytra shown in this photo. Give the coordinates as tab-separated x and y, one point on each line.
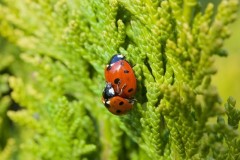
120	74
118	105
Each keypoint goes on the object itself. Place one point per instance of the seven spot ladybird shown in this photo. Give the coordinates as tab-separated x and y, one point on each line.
120	74
120	86
118	105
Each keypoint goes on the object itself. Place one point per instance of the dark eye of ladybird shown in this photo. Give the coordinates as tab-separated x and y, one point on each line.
126	71
116	81
118	111
121	103
130	90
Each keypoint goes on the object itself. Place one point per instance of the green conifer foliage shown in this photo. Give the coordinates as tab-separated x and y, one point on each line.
53	53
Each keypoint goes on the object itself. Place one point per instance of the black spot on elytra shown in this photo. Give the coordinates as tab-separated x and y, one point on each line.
126	71
118	111
130	90
116	81
121	103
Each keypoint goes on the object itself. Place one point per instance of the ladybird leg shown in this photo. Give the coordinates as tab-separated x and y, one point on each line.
122	89
117	82
118	88
132	101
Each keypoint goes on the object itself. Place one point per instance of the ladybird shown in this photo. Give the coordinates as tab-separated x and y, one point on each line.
120	74
118	105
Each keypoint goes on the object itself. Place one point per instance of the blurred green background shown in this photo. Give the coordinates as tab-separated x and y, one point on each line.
227	78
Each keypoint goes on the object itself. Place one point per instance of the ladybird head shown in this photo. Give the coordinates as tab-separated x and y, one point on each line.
108	91
106	102
114	59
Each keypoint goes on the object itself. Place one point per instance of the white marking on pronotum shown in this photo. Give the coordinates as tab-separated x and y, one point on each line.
111	91
109	66
120	56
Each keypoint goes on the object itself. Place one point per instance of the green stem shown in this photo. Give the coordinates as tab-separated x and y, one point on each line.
188	8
